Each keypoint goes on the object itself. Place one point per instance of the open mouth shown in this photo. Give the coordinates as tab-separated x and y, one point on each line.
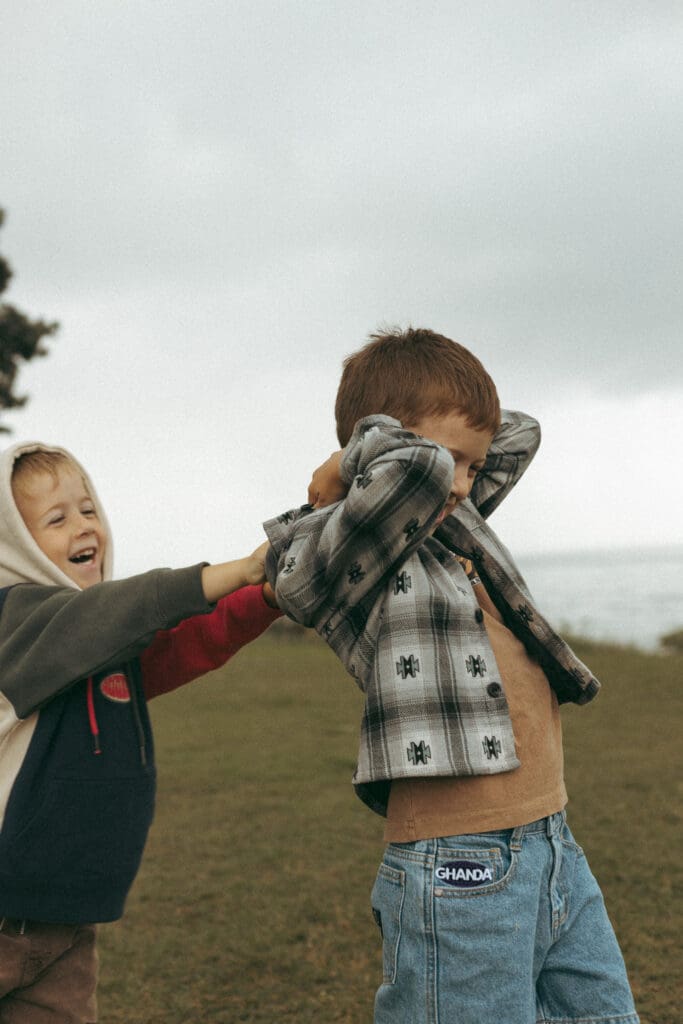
85	557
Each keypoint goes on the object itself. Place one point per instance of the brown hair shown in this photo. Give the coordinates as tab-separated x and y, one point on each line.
39	461
413	373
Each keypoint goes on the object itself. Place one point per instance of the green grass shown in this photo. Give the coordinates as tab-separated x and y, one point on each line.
252	904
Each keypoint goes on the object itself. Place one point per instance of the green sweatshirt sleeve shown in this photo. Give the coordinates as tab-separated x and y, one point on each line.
50	637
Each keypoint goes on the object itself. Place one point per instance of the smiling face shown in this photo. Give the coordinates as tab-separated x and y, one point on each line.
61	517
467	445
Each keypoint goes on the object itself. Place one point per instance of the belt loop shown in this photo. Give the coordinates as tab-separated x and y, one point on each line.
554	823
516	838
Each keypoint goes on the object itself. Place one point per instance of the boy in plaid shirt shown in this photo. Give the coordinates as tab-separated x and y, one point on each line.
487	907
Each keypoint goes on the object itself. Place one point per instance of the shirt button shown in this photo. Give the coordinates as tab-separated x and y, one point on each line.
494	690
479	615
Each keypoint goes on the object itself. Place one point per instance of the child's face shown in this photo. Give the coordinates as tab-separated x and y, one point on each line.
60	516
467	445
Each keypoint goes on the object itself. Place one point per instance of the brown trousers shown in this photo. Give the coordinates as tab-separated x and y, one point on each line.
48	973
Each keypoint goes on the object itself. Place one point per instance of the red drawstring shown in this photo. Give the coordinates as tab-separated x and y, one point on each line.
94	728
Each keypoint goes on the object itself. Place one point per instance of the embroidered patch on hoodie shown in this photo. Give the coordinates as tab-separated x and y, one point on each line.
464	874
115	687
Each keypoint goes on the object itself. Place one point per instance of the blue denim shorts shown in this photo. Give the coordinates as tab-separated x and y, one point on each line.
504	927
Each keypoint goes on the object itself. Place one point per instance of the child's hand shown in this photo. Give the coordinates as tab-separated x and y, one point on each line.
256	561
222	579
255	564
326	486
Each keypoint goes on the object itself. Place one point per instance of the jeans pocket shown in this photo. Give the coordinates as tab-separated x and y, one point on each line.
472	868
568	840
388	894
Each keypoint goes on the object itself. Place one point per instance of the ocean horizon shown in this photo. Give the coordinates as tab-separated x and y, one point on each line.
630	596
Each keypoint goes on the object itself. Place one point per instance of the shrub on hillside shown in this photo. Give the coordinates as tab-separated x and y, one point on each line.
673	642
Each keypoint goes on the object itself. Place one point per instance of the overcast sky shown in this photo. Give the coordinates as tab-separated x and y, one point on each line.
220	200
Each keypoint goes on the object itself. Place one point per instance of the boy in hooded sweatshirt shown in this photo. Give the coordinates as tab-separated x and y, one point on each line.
80	655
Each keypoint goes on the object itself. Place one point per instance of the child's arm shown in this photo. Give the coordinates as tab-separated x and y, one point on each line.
52	636
224	578
205	642
513	447
331	559
510	453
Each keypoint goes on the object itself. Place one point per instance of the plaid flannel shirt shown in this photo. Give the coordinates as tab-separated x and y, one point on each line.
396	606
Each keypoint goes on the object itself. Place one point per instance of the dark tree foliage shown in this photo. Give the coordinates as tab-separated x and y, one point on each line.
673	642
20	338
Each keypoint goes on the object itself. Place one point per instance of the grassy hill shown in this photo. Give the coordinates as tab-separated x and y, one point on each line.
253	900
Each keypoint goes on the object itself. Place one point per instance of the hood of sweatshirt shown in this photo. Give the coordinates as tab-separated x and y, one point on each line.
21	560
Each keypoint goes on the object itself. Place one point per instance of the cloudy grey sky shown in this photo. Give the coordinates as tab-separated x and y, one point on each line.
219	200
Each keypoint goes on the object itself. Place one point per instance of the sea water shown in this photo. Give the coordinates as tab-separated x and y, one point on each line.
626	596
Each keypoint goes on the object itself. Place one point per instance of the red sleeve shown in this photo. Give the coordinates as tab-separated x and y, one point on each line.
204	642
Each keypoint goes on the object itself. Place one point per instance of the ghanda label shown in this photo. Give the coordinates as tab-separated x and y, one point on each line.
463	874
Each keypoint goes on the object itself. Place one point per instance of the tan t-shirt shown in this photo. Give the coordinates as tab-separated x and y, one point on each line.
428	808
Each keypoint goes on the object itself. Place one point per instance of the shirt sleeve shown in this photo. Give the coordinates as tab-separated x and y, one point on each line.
50	637
513	447
332	559
205	642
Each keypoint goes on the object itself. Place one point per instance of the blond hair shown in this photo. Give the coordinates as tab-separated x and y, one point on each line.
30	464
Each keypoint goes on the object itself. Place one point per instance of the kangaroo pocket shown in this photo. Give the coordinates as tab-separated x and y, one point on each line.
88	831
